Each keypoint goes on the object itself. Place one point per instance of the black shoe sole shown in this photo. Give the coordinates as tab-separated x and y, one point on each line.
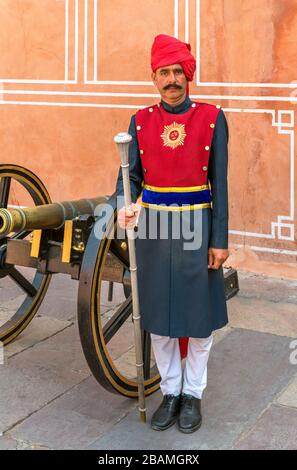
155	427
190	430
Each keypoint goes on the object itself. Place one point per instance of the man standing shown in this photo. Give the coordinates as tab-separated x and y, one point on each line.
178	161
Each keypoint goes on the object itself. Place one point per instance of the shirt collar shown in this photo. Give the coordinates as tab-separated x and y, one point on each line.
180	108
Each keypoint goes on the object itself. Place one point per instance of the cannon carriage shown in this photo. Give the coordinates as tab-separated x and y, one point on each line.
39	238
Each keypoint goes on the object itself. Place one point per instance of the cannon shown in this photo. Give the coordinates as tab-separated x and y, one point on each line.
39	238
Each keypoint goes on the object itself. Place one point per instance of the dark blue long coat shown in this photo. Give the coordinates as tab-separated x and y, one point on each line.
179	296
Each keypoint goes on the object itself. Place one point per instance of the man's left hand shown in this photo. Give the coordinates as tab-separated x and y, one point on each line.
216	257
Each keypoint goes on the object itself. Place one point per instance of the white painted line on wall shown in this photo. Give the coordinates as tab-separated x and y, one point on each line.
95	40
224	84
66	38
186	20
86	42
76	42
269	250
176	18
154	95
66	55
82	105
197	42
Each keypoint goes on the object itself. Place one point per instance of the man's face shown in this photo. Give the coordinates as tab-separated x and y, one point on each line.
171	82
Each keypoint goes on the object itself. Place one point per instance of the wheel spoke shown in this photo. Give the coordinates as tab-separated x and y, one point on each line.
117	320
110	291
22	282
146	344
4	190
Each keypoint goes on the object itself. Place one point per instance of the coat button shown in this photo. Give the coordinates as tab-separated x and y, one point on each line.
218	106
151	110
141	152
144	170
204	168
212	125
206	147
194	105
138	128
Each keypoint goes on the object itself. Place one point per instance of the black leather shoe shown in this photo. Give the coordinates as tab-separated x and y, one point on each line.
190	417
167	413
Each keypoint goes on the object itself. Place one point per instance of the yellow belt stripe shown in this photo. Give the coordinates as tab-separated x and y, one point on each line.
176	208
175	189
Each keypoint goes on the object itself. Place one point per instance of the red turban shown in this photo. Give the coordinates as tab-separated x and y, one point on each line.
167	50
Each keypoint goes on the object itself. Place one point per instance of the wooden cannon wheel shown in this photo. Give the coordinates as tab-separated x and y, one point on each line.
15	183
108	341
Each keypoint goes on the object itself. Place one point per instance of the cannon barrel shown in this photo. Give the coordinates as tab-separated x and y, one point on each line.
46	216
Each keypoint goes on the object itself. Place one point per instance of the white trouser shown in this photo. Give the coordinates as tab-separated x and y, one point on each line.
173	379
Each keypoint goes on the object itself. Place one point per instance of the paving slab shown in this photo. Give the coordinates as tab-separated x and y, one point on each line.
118	295
122	341
220	334
37	447
61	298
39	329
8	288
75	419
9	307
247	370
289	395
7	443
262	315
276	429
49	400
261	287
39	374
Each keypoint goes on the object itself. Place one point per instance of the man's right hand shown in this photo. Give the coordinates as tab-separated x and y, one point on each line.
127	217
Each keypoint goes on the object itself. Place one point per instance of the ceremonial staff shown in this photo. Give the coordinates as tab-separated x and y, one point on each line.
122	140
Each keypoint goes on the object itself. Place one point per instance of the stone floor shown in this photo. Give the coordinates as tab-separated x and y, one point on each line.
50	400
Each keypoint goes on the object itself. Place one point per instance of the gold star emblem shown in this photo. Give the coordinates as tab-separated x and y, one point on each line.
174	135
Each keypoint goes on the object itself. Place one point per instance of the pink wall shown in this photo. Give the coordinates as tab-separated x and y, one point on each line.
73	72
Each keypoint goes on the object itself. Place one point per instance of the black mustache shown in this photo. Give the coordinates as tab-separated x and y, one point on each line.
177	87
